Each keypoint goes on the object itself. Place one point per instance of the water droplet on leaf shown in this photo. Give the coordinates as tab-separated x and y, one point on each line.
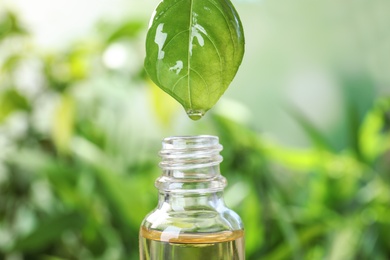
195	114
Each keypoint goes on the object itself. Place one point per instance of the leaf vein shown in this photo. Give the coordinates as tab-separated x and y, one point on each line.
217	51
177	82
201	77
228	24
168	9
166	44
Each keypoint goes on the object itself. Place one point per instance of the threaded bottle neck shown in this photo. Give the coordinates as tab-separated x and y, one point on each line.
191	164
186	152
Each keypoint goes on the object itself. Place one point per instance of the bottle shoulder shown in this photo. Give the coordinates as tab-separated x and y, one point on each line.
194	220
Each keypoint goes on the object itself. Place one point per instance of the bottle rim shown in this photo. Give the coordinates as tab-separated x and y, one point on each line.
191	142
183	152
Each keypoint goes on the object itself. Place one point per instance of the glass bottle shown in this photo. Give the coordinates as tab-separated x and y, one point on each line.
191	220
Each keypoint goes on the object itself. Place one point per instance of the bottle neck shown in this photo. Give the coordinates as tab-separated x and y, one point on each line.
193	201
190	165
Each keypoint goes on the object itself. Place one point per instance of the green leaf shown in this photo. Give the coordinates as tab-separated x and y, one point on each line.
193	51
373	137
63	123
11	101
115	189
9	24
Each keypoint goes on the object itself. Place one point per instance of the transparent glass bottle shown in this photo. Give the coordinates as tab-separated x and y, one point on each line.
191	220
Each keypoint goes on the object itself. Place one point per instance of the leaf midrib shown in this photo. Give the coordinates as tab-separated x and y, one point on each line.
189	55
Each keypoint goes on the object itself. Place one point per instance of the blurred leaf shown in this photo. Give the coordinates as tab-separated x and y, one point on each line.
57	71
164	106
370	242
237	135
49	231
251	216
11	101
130	209
359	98
11	62
64	123
297	159
63	70
344	242
128	202
78	65
52	258
317	137
374	137
193	51
287	227
9	24
126	30
354	122
284	250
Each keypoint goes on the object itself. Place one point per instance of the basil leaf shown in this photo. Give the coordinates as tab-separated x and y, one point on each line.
193	51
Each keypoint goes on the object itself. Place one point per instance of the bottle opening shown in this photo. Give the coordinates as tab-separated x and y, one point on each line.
186	152
191	142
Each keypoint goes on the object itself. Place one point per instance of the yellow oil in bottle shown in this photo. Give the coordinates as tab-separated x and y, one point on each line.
156	245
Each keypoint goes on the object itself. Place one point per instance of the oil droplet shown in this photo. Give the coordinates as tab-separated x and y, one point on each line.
195	114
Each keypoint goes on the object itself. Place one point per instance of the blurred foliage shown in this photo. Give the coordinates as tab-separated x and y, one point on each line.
79	135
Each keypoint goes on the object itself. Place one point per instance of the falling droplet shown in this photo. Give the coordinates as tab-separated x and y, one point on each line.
195	114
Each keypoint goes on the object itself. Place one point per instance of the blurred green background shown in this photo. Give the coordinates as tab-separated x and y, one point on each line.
305	127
